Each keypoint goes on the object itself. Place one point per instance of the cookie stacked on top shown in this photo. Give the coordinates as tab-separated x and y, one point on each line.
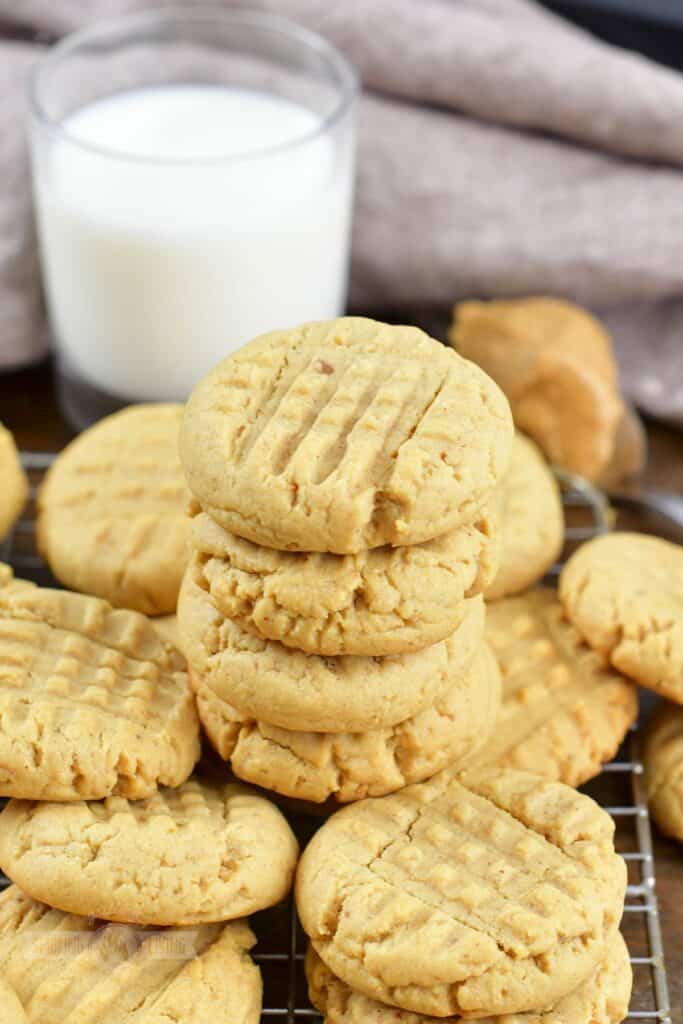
332	613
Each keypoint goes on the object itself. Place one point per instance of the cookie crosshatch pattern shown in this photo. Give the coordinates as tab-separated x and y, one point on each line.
281	944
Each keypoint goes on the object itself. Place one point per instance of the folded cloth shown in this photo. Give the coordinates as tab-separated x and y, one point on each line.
503	151
22	332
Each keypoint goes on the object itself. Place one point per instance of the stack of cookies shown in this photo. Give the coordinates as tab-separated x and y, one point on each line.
331	614
489	893
99	736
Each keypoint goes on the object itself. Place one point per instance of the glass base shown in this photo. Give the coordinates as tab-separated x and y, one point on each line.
81	403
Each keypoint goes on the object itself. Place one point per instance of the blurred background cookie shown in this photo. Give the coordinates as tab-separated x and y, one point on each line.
14	490
663	760
554	361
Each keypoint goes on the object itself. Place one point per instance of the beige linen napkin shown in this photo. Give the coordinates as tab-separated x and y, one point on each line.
503	151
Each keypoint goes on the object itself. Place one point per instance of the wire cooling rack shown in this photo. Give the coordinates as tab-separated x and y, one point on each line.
619	789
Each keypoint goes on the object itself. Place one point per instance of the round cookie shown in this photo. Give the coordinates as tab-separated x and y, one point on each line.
344	435
663	759
351	766
624	594
14	483
69	970
531	521
11	1010
383	601
565	712
92	701
266	681
602	999
112	511
200	853
488	892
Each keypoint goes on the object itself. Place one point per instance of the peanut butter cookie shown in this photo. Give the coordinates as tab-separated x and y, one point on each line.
531	521
266	681
69	970
92	701
554	361
383	601
663	757
350	766
565	712
11	1010
603	999
196	854
344	435
624	594
14	490
485	893
112	511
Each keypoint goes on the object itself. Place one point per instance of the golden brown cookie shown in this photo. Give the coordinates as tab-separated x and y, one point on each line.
14	491
92	701
531	521
11	1010
624	594
485	893
269	682
565	712
351	766
554	361
77	970
663	758
383	601
200	853
167	626
602	999
112	511
344	435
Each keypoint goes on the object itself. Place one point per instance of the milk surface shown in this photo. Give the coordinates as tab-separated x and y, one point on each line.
180	222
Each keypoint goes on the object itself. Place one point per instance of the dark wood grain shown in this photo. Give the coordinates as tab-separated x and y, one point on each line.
28	407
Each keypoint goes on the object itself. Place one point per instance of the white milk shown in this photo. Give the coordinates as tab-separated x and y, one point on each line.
155	271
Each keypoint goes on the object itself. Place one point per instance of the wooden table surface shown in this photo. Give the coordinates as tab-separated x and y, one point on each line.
28	407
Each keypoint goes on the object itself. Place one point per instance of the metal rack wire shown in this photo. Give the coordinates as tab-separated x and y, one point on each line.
619	789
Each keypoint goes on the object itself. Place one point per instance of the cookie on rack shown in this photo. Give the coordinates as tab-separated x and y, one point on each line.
344	435
624	594
11	1010
531	521
200	853
266	681
663	760
602	999
383	601
565	711
112	516
14	482
68	968
92	703
350	766
487	892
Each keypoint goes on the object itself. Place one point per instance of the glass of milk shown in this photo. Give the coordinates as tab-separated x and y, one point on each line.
193	174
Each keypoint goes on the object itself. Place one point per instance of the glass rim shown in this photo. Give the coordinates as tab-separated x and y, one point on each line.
347	77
